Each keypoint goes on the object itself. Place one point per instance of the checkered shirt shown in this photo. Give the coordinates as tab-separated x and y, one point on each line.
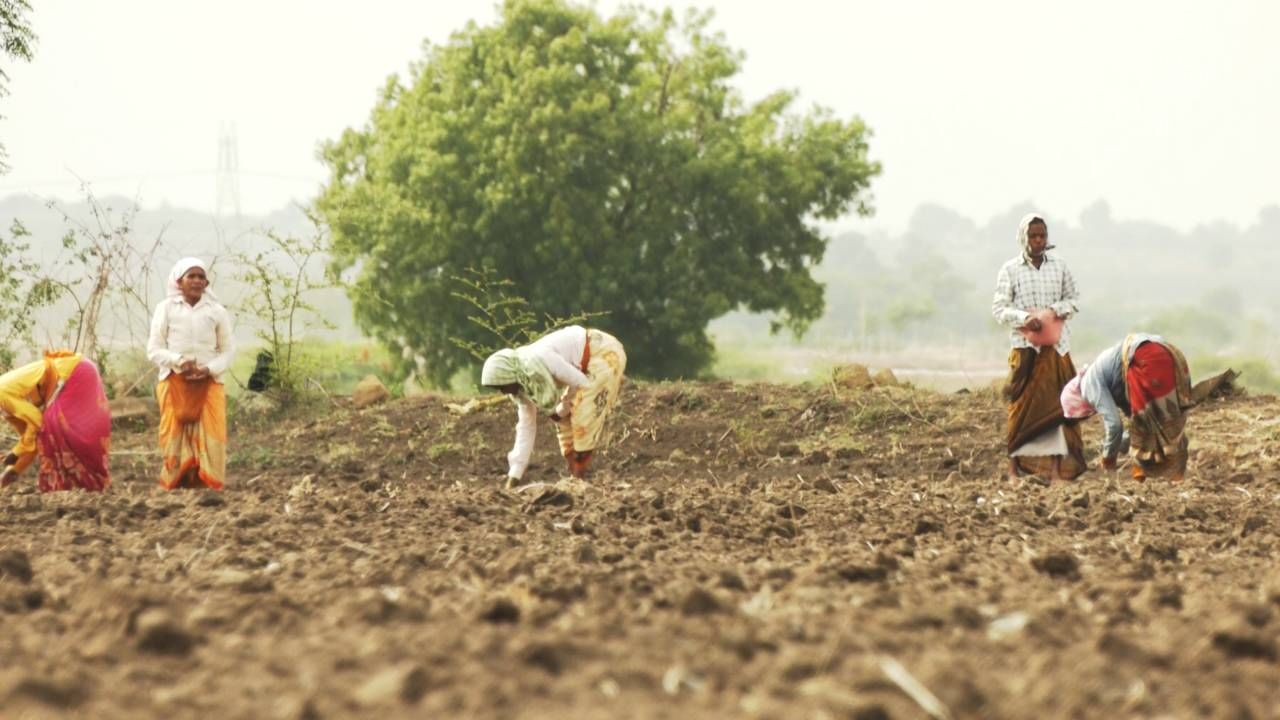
1021	287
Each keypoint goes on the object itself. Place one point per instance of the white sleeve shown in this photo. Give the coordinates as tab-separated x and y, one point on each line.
563	371
526	431
157	348
1002	308
1069	304
226	344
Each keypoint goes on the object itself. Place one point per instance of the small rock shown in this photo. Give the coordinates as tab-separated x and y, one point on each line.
788	449
1164	595
1059	564
501	610
369	391
242	581
925	526
1243	643
406	683
1166	553
297	708
966	616
1007	626
551	657
15	564
550	497
792	511
862	573
15	599
885	378
256	404
700	602
53	692
210	500
731	580
825	485
817	457
208	615
871	712
158	632
585	552
852	377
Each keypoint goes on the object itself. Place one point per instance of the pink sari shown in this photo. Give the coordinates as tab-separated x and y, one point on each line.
76	435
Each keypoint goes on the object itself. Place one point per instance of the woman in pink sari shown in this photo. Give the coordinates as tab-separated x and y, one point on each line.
59	409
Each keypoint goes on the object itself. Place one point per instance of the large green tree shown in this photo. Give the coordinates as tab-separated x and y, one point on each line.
602	164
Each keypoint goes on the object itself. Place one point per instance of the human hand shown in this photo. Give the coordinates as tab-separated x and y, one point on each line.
1033	324
562	412
11	459
1109	462
198	373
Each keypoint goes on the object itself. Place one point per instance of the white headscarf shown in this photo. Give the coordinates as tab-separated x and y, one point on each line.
172	289
1023	241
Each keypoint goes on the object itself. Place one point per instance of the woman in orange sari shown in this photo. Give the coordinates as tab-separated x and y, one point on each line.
59	409
192	346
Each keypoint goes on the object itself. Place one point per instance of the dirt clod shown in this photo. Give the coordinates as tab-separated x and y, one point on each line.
700	601
1058	564
501	610
160	633
15	565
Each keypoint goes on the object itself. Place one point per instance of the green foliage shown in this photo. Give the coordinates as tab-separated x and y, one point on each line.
23	291
105	274
506	319
1195	326
596	163
279	279
19	44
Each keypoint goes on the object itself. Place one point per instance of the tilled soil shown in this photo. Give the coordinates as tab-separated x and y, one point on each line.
741	551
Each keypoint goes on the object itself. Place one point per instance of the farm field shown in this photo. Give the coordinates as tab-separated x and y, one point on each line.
742	550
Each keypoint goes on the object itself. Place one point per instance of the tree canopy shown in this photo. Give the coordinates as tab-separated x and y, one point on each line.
18	40
601	164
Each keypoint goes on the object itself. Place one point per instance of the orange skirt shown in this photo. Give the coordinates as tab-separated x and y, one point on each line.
193	432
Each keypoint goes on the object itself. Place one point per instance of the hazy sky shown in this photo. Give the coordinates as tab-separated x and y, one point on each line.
1168	110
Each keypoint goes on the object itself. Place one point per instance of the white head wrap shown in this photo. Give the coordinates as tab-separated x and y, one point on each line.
179	269
1023	241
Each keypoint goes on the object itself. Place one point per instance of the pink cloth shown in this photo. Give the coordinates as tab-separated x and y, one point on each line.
1050	328
76	435
1074	406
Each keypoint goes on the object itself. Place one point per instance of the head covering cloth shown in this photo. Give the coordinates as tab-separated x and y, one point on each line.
1024	226
522	366
172	287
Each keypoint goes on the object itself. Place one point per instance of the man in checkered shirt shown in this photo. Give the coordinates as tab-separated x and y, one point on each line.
1038	437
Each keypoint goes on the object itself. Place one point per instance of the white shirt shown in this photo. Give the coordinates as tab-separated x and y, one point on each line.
200	332
562	352
1021	286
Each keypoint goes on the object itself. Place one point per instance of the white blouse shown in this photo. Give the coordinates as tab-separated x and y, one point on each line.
200	332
